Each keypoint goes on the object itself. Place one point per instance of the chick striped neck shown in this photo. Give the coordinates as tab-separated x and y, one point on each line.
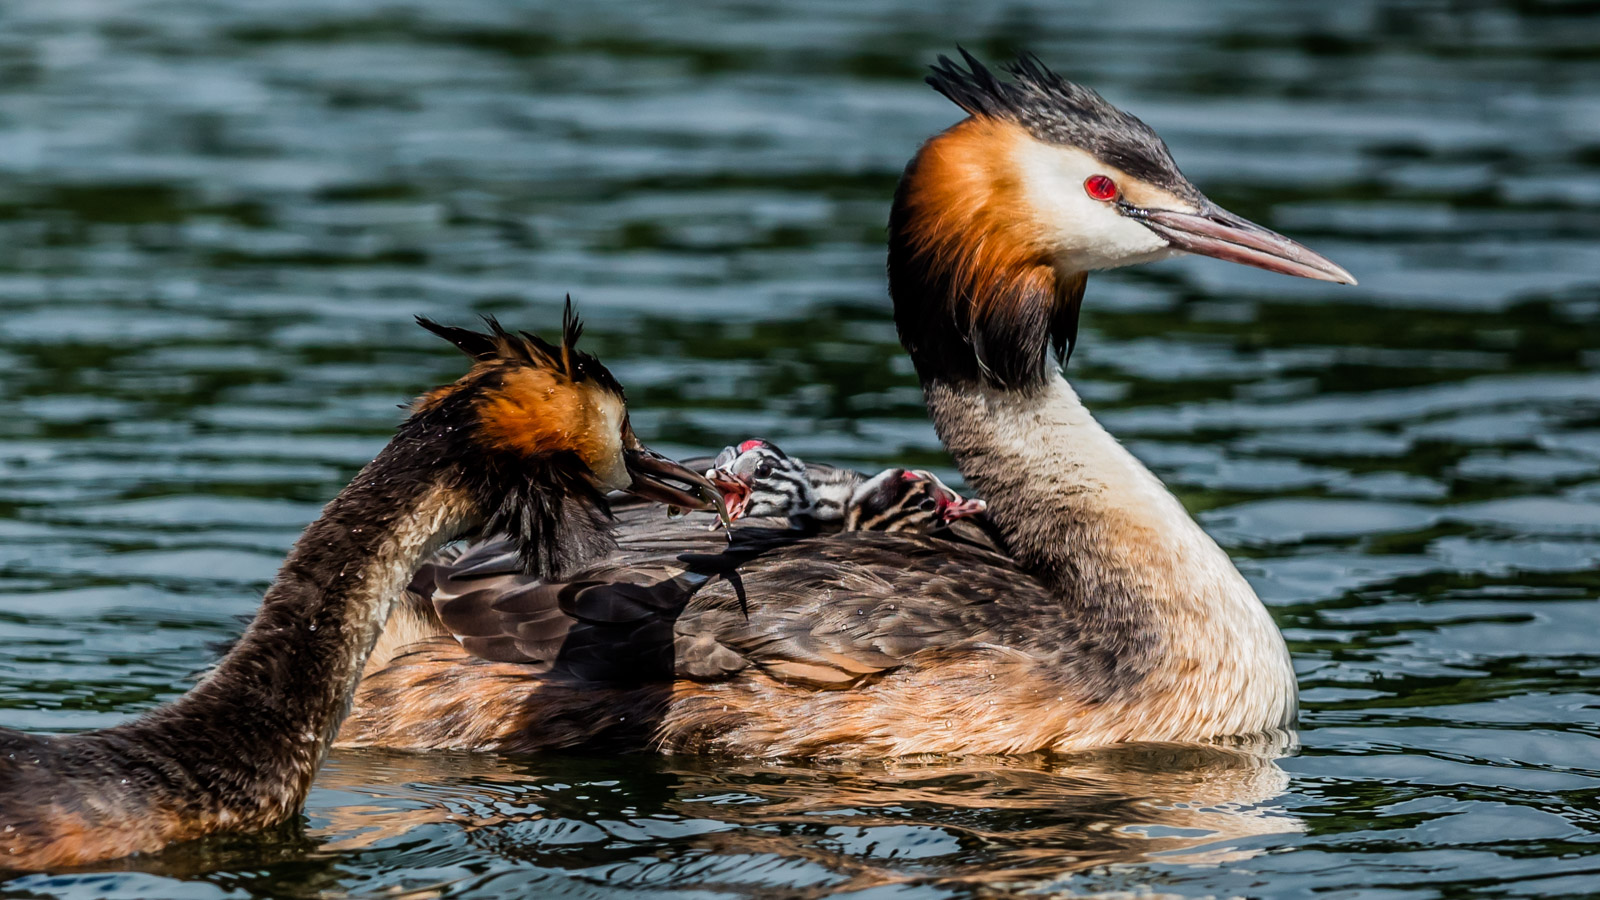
834	490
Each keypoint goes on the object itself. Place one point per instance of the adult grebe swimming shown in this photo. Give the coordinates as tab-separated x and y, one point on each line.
1110	617
525	443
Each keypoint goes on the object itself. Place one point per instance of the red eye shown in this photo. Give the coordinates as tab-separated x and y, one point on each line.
1100	187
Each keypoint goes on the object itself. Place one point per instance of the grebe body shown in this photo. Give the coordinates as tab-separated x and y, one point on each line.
1106	616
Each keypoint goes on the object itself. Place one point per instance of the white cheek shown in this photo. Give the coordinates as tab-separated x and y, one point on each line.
1088	234
616	474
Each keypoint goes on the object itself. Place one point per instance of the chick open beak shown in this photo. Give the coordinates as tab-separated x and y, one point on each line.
951	510
653	477
1215	232
734	490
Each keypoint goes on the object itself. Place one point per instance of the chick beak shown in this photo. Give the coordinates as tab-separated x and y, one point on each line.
650	473
734	490
1215	232
953	508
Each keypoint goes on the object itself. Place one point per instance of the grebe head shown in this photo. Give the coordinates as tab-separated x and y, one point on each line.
907	500
537	421
758	479
1001	216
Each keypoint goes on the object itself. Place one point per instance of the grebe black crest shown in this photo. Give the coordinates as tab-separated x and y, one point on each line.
1057	111
999	219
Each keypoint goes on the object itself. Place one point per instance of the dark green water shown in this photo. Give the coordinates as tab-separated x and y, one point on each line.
217	219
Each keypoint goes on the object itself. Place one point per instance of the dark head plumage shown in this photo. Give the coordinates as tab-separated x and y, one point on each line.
1059	111
527	347
999	219
540	432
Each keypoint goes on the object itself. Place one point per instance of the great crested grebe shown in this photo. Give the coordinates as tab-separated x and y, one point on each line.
1110	617
757	479
526	443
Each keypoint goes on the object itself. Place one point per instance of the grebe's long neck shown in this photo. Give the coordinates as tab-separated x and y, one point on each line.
1076	508
281	694
1082	514
241	748
980	314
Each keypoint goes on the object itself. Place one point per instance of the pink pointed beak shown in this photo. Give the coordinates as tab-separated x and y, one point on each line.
1220	234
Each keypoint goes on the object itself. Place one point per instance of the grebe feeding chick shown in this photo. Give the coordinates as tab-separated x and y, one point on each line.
757	479
1110	617
526	443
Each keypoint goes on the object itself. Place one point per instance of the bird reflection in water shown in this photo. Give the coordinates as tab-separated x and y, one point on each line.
716	824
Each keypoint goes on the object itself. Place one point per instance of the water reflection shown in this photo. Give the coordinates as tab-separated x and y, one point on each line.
644	822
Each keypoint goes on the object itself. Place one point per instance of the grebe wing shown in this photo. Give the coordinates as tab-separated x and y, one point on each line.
834	609
611	621
464	583
680	602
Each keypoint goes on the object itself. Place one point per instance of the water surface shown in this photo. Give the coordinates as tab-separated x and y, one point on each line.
218	218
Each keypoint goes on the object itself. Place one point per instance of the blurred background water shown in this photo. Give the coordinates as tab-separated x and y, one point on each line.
217	219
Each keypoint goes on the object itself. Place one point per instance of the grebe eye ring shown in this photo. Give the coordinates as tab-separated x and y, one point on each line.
928	505
763	468
1100	187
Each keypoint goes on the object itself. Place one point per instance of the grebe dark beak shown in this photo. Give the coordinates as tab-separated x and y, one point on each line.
1220	234
651	473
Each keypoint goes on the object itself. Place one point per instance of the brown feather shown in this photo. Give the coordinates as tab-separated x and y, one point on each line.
737	664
